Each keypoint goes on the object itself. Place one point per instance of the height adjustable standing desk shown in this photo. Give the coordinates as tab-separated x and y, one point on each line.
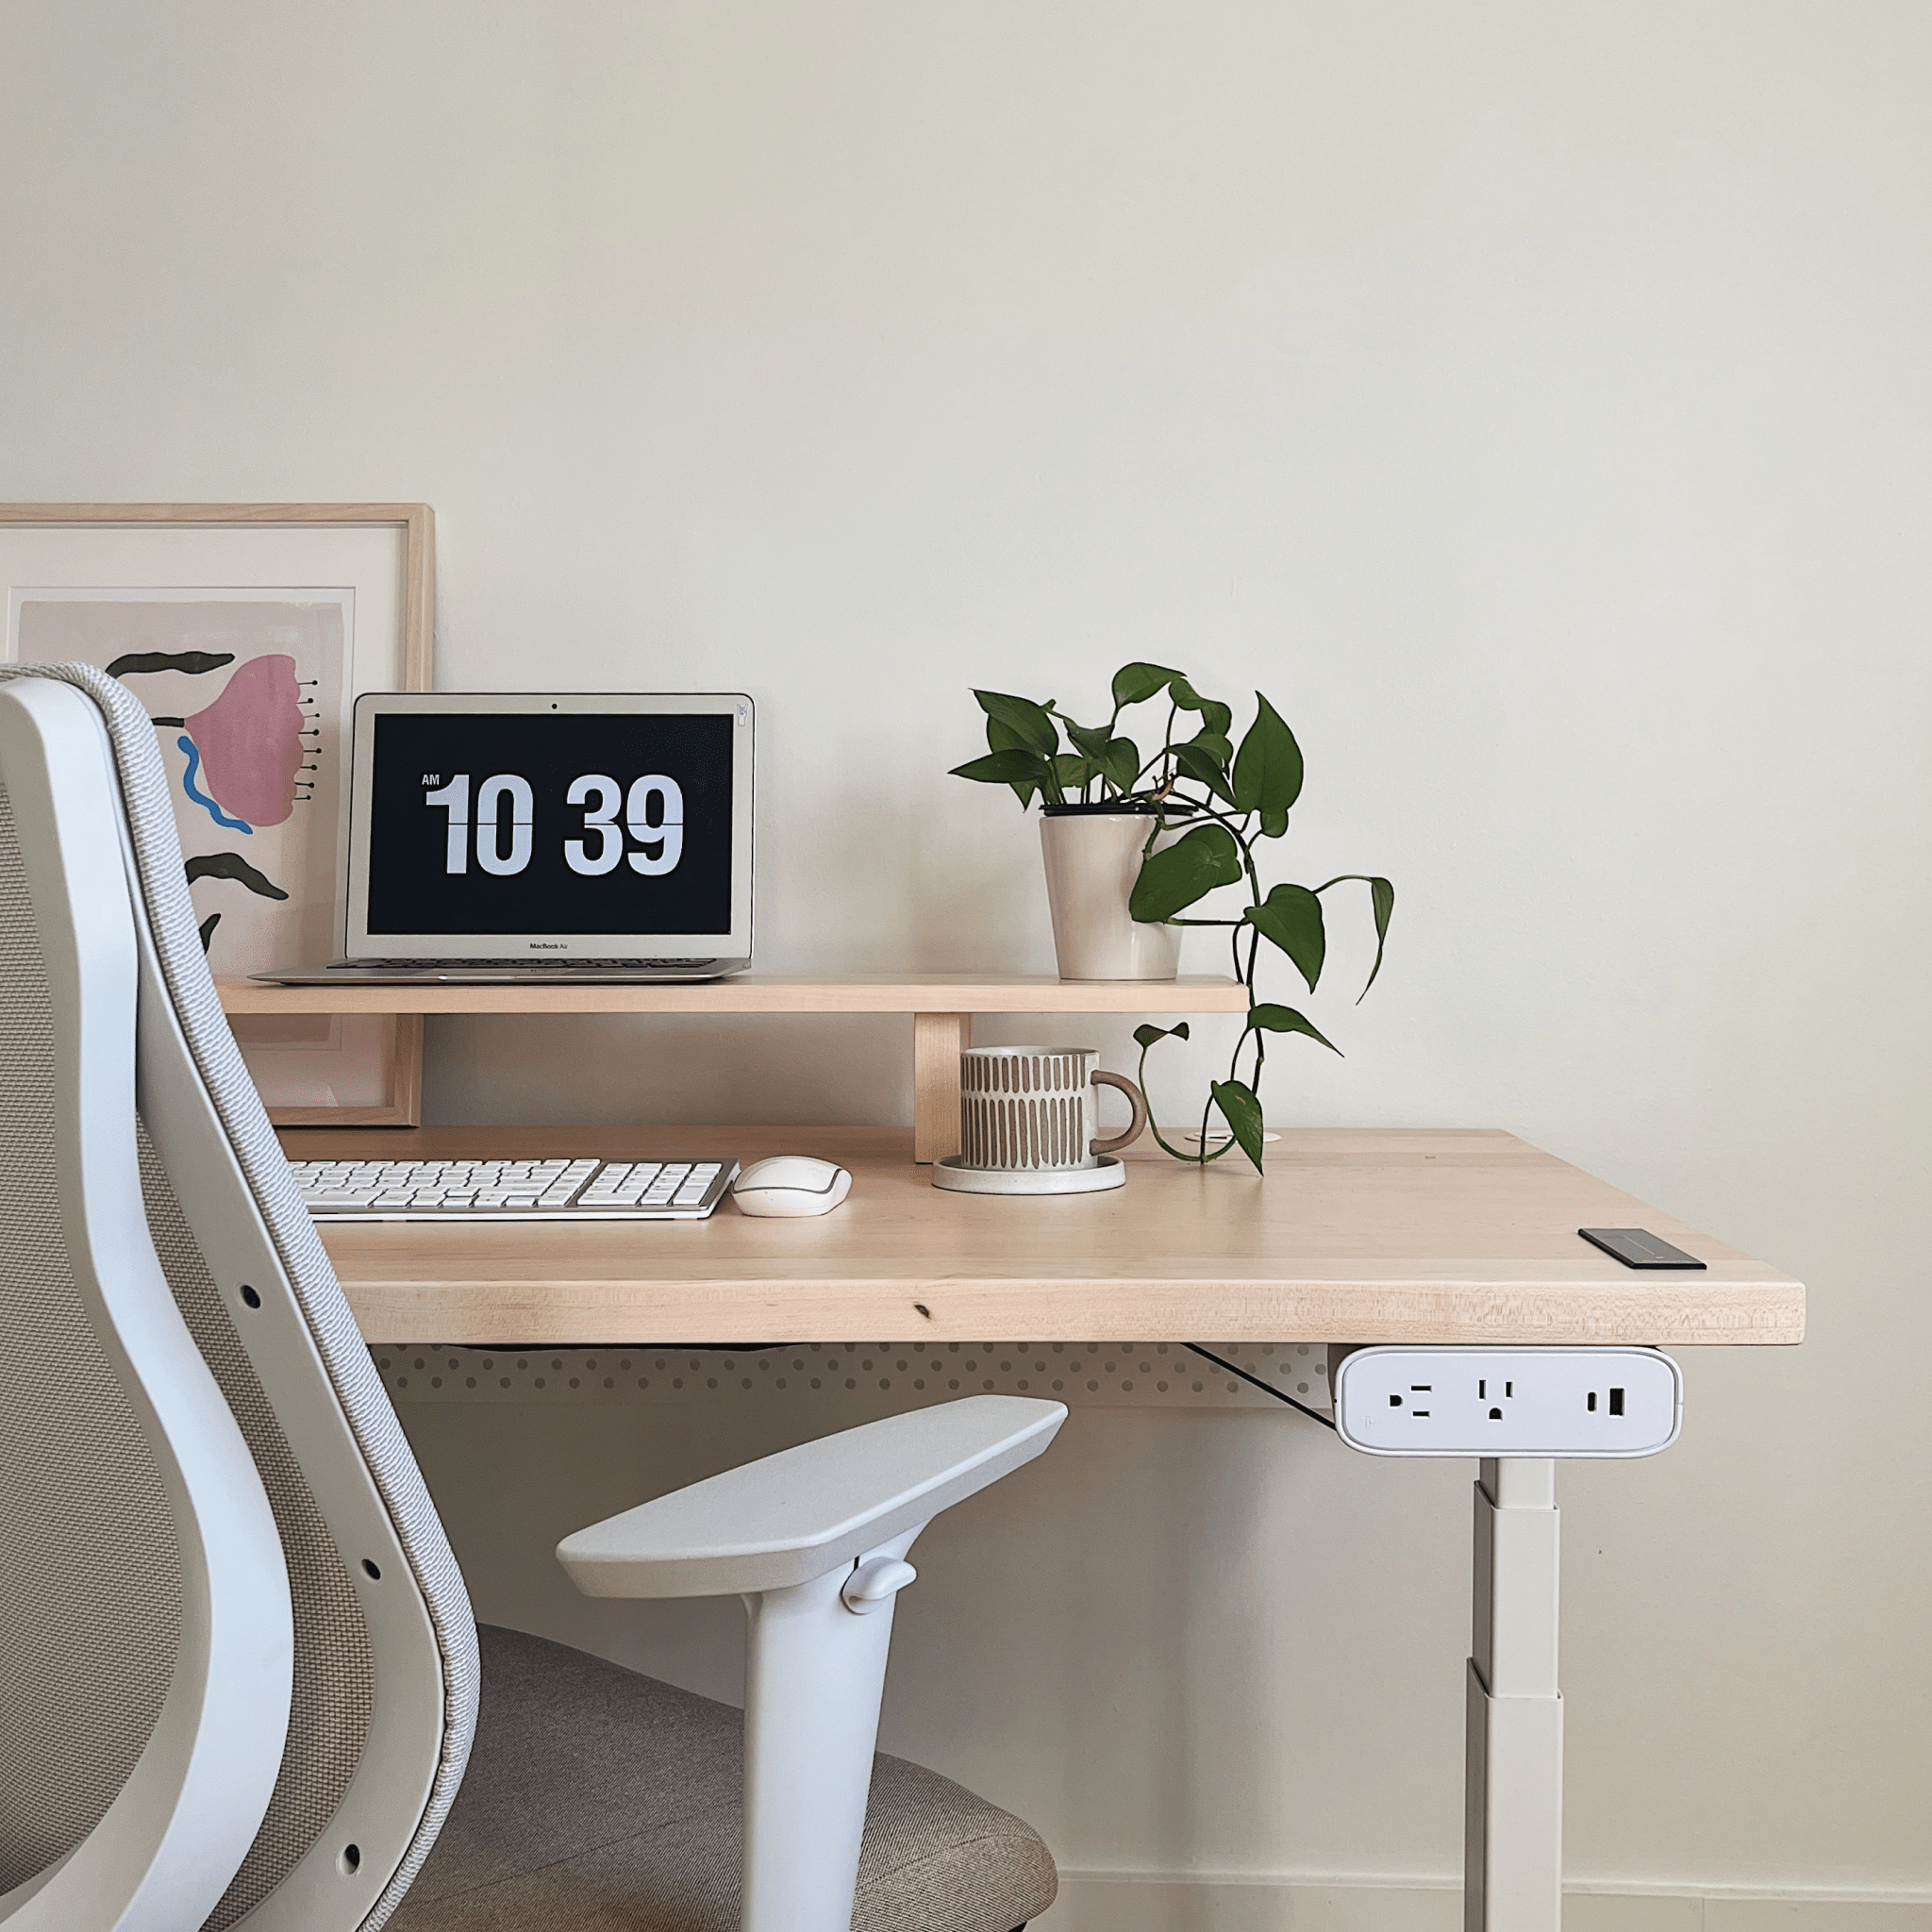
1352	1236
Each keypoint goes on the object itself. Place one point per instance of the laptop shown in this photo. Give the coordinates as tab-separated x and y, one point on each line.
553	837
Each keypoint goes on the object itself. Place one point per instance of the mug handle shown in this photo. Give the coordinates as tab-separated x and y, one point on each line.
1138	1125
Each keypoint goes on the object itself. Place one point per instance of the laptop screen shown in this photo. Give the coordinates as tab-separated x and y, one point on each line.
525	825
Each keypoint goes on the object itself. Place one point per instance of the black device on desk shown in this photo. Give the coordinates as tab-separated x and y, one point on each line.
546	835
1637	1247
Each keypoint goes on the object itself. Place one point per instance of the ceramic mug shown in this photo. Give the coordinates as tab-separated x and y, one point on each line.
1024	1108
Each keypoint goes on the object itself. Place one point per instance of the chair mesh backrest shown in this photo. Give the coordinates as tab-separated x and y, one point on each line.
335	1672
89	1570
334	1679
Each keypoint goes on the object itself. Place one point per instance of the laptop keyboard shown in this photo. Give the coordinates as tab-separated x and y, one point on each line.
583	1190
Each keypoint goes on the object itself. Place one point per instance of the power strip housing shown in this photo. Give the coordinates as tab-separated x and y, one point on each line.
1540	1402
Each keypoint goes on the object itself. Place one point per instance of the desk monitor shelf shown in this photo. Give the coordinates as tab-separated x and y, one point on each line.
942	1006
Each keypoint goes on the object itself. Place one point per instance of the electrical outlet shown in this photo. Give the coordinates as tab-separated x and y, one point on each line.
1507	1400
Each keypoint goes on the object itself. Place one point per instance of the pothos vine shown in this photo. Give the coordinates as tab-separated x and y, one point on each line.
1229	799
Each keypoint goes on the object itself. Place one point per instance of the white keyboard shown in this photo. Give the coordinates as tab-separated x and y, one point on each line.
512	1190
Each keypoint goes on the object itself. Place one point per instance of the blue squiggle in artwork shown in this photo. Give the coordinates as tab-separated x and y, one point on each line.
200	797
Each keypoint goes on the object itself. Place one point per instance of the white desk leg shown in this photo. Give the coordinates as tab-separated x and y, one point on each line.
1513	1797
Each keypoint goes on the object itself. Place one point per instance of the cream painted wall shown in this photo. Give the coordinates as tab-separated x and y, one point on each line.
1535	400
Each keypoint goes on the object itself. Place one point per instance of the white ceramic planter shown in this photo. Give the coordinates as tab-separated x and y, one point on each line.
1093	860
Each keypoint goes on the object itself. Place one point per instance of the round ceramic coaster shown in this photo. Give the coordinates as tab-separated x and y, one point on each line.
950	1172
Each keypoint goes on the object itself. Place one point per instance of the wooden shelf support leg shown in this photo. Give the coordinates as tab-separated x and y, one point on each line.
1512	1877
938	1041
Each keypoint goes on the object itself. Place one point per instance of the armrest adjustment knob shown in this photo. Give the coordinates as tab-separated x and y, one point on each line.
872	1585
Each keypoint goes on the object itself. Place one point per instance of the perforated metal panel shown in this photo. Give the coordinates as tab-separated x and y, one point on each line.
1114	1374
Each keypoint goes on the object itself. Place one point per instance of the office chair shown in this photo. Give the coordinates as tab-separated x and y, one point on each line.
241	1681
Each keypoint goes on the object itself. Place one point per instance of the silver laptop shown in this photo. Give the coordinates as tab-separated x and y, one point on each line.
556	836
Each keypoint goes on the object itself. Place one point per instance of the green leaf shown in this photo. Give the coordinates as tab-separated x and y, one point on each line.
1214	743
1073	770
1134	684
1144	1037
1273	823
1268	1018
1116	760
1290	916
1215	716
1188	870
1119	763
1267	767
1383	895
1004	738
1005	768
1034	723
1382	898
1204	769
1241	1110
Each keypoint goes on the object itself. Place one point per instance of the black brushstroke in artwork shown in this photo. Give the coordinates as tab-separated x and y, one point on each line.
207	929
193	663
167	721
231	865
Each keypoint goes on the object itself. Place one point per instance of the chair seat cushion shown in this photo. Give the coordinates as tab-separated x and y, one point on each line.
598	1800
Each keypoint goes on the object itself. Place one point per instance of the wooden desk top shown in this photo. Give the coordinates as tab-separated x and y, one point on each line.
1352	1236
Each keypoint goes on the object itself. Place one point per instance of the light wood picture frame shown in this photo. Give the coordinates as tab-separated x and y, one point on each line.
248	628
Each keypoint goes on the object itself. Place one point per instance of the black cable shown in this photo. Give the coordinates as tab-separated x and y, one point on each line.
1314	1415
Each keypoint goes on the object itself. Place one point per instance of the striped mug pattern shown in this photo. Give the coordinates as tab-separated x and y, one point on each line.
1023	1108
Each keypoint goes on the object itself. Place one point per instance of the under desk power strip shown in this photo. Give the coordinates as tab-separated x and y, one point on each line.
1533	1402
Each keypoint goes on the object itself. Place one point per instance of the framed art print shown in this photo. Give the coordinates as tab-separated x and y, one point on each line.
247	631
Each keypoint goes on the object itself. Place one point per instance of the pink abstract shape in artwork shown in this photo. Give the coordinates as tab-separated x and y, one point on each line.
250	740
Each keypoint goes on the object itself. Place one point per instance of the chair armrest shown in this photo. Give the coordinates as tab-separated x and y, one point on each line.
792	1517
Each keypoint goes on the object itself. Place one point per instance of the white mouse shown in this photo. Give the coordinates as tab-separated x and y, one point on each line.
790	1184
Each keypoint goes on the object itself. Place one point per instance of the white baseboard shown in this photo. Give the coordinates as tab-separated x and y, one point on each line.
1120	1902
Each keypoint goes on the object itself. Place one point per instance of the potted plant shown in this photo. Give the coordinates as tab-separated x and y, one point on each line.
1131	842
